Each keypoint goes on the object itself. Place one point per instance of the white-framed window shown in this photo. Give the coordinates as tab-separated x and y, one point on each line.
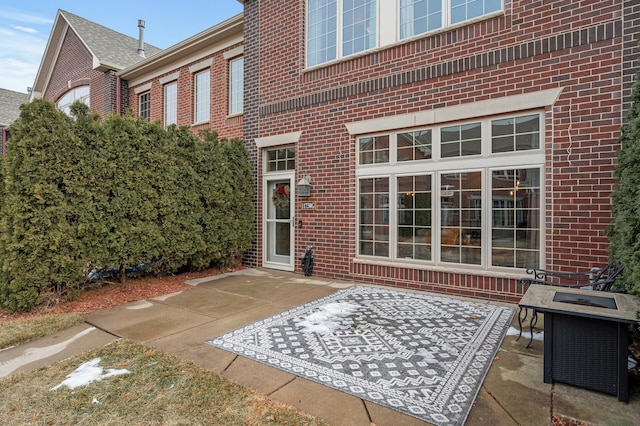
80	93
202	96
461	194
339	28
280	159
170	103
464	10
236	85
144	105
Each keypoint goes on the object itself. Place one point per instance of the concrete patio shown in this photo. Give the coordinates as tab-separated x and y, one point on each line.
513	392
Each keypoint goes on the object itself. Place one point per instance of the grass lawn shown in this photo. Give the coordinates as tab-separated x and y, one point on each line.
22	330
158	390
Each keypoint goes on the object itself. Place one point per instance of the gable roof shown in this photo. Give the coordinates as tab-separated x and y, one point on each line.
113	50
110	49
10	102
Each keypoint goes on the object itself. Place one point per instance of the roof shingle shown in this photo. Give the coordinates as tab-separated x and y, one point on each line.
113	49
10	102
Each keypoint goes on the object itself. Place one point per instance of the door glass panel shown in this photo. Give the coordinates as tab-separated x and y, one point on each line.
278	241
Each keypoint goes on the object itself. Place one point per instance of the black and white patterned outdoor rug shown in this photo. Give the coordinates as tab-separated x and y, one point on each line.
419	354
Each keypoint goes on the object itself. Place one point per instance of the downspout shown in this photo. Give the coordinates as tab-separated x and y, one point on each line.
118	96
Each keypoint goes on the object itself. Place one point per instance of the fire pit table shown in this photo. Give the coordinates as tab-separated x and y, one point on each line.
585	336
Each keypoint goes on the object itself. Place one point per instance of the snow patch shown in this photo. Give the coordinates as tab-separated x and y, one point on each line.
35	354
139	305
512	331
427	356
328	318
87	373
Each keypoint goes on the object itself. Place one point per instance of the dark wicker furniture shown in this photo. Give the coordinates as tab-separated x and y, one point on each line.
585	337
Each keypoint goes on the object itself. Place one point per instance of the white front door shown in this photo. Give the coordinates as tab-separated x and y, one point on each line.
278	226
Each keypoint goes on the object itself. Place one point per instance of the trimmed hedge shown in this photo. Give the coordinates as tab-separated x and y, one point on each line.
83	194
624	232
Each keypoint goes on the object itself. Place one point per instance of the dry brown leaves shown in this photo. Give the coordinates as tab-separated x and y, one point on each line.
111	294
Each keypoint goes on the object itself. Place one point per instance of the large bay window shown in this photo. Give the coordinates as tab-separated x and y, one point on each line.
339	28
461	194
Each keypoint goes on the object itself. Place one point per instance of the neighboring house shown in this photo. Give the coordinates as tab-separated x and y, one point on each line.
80	63
198	82
10	102
449	145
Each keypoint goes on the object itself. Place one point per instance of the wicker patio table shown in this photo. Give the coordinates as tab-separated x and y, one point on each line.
585	336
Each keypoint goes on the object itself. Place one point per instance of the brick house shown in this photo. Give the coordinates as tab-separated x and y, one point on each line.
81	60
198	82
449	145
10	102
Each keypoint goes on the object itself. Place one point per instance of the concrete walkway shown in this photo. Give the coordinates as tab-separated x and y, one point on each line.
513	392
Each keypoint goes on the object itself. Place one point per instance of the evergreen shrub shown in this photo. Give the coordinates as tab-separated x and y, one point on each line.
624	233
82	195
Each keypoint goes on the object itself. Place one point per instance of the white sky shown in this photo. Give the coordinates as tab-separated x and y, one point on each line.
25	26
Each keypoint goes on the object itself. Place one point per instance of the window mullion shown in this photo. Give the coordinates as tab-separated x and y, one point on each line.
487	218
436	218
393	217
339	28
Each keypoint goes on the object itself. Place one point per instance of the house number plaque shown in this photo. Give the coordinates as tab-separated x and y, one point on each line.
308	205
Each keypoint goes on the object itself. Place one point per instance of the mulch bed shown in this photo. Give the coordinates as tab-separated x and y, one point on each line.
104	295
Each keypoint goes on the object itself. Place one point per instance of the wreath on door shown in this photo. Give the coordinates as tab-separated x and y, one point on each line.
281	198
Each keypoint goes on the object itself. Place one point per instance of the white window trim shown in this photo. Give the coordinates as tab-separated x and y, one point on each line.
339	33
236	113
73	93
164	103
197	122
140	95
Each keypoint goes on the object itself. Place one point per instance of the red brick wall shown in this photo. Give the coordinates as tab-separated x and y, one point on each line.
227	127
576	46
74	67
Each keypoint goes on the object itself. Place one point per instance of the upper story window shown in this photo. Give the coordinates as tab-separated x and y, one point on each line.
463	10
236	85
170	104
144	105
339	28
202	96
80	93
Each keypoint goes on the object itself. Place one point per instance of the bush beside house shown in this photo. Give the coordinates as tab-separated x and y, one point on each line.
84	194
624	232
